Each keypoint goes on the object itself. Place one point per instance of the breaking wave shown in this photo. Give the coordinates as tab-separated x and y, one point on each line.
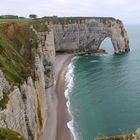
69	80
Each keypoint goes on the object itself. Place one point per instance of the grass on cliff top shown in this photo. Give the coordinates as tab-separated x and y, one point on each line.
13	37
27	20
7	134
72	20
17	44
39	25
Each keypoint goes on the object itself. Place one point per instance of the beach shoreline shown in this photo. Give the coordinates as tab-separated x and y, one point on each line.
63	116
57	112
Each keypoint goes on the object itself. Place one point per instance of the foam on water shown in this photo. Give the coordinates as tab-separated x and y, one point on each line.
69	85
94	61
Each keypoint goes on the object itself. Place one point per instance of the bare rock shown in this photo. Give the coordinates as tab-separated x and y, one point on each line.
88	35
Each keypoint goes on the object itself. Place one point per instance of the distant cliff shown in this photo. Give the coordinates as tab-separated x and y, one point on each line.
87	35
27	56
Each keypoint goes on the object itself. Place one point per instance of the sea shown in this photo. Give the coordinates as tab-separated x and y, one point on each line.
103	92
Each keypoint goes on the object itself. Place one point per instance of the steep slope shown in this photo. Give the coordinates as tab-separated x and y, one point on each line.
27	58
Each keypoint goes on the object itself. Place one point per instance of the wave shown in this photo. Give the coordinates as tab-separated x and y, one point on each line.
93	61
69	80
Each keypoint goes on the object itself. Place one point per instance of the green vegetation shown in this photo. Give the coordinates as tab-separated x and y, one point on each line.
4	101
39	25
63	20
119	137
14	38
68	20
26	20
72	20
17	43
119	21
105	20
7	134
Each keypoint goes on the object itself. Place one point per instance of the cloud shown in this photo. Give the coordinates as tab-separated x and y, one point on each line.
127	10
134	8
118	2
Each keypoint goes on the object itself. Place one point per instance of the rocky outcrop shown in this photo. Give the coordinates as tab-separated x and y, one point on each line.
89	34
4	85
136	134
26	111
132	136
46	57
121	137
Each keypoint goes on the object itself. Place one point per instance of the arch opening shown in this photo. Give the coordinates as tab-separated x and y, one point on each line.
107	45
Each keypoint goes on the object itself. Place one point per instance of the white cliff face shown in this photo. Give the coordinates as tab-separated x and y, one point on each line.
46	56
88	35
26	111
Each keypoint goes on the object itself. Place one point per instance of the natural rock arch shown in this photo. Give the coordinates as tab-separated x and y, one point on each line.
106	45
88	35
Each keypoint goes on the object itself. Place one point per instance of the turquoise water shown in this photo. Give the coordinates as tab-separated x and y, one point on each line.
105	97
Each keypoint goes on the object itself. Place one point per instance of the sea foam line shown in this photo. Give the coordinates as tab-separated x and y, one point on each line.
94	61
69	80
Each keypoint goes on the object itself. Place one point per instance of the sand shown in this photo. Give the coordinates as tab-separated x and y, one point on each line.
57	115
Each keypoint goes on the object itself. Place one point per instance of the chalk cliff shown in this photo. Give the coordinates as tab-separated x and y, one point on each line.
26	108
87	35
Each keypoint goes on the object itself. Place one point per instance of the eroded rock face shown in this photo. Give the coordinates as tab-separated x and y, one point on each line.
46	56
121	137
26	111
88	35
5	87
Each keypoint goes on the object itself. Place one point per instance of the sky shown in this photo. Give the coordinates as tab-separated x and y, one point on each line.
126	10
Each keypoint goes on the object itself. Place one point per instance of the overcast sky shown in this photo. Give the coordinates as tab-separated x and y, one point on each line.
126	10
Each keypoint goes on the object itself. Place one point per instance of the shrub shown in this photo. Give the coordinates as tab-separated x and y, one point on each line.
7	134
